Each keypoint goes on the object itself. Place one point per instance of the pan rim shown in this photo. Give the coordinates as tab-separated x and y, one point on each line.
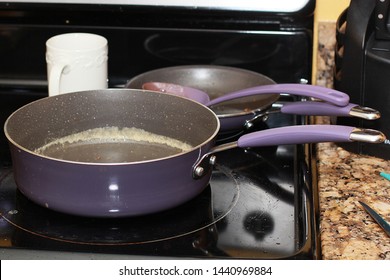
273	97
183	153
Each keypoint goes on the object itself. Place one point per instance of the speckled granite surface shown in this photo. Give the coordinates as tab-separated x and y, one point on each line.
347	231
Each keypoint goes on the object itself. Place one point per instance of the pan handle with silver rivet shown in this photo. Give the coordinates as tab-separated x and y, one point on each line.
327	109
316	108
299	134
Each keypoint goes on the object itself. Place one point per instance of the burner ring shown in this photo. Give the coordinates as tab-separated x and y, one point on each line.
211	206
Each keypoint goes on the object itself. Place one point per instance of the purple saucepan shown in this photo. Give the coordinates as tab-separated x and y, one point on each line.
122	152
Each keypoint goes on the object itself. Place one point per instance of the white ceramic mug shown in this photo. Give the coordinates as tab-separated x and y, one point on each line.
76	62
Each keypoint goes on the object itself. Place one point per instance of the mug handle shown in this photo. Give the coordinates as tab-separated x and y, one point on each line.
55	79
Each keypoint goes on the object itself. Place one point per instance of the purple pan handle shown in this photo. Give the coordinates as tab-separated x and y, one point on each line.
298	134
326	94
317	108
327	109
187	92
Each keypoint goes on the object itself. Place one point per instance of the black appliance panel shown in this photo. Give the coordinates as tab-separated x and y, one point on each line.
284	56
362	68
142	39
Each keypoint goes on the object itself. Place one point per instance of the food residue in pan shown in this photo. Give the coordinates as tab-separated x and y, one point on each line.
113	145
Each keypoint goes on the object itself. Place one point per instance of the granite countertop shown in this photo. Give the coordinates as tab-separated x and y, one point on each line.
344	178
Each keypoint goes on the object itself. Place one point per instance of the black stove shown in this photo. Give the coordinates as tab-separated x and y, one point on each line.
260	203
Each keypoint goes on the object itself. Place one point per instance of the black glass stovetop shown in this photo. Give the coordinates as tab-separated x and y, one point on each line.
260	204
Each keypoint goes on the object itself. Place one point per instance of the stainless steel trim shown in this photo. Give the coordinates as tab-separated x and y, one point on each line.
367	135
205	163
365	113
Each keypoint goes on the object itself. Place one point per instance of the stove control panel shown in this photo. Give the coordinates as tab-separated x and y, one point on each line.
286	6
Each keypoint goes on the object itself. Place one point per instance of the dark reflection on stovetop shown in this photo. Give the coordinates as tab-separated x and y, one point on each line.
214	48
259	224
214	203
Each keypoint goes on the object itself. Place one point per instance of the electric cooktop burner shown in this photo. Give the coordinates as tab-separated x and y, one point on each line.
212	205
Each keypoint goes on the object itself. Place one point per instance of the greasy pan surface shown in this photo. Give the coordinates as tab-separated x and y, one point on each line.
101	177
215	81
